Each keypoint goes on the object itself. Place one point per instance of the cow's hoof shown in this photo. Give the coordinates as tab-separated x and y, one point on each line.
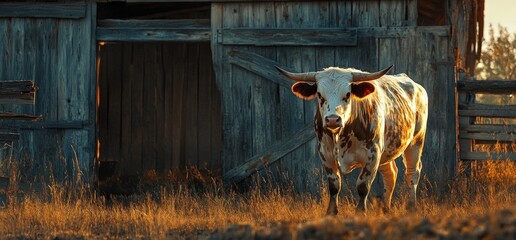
332	212
361	208
411	207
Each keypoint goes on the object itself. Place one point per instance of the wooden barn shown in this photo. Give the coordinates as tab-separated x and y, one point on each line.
140	87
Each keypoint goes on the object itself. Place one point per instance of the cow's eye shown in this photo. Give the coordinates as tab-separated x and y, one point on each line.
346	98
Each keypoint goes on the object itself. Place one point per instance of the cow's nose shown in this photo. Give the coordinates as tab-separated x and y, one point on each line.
333	121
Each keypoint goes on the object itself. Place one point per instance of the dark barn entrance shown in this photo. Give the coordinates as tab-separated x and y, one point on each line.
158	106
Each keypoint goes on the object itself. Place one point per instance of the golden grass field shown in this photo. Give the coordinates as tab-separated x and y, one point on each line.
483	206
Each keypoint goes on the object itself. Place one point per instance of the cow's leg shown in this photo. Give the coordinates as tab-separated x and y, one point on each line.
334	179
366	178
413	165
334	183
389	173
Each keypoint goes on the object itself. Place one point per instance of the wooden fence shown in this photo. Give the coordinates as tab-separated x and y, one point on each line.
473	131
12	92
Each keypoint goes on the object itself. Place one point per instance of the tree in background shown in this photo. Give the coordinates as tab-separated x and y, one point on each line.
498	62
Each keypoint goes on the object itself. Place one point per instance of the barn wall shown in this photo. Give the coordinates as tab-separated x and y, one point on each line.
258	112
58	54
159	107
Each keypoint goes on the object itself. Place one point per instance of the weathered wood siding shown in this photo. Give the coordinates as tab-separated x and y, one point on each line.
59	55
258	112
159	107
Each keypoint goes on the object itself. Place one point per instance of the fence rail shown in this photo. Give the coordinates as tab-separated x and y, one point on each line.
473	134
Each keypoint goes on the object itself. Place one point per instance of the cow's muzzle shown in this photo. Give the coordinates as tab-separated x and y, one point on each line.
333	122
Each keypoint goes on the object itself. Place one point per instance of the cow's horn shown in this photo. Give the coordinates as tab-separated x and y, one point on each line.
358	77
304	77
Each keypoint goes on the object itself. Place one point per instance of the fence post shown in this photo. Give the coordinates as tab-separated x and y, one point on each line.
464	144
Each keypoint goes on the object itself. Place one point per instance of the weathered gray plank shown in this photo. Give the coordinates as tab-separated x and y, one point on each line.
275	152
75	9
494	111
259	65
18	116
505	137
157	34
200	24
47	124
488	128
488	86
17	86
290	37
17	92
488	156
9	136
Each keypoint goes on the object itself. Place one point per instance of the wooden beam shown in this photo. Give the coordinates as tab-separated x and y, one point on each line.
489	128
41	125
155	24
74	10
18	116
397	32
504	137
289	37
275	152
259	65
508	111
9	136
184	30
488	86
488	156
17	92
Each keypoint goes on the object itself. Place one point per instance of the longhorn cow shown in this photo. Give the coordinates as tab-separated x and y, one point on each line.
366	120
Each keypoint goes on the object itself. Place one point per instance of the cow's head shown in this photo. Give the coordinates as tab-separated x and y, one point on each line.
333	88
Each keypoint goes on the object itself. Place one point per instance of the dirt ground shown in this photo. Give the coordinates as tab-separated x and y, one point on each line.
500	224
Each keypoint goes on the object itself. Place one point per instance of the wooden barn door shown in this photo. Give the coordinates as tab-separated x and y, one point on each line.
159	108
264	124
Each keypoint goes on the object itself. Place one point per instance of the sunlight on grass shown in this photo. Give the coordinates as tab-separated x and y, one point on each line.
180	209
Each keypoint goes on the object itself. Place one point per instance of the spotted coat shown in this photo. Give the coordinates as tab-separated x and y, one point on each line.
366	123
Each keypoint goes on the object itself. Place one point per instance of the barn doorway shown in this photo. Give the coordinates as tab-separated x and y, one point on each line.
158	103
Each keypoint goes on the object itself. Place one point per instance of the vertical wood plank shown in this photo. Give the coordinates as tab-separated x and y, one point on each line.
237	134
190	109
178	103
136	76
168	105
216	127
159	93
204	114
265	103
148	156
127	160
114	94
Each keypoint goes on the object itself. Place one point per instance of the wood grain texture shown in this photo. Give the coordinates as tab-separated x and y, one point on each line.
290	37
488	86
272	154
74	10
488	156
42	43
161	96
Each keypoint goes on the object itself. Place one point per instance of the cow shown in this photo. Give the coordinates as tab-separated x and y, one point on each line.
366	120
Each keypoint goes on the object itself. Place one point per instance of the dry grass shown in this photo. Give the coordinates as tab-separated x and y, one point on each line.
202	206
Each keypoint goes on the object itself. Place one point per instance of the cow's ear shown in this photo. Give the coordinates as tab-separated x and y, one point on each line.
362	89
304	90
